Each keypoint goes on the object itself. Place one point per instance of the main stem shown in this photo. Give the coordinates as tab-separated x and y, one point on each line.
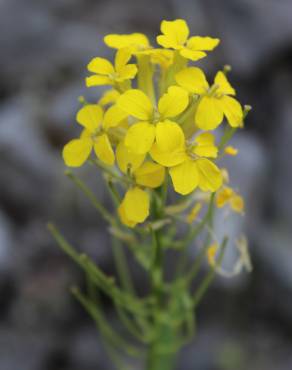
157	359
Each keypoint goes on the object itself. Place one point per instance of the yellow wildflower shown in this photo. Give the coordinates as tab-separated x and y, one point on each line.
147	174
189	166
94	135
107	74
227	195
175	35
152	122
215	102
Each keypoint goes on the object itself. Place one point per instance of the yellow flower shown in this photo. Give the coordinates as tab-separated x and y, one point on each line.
143	174
215	102
142	134
134	41
227	195
147	174
189	166
107	74
94	135
175	35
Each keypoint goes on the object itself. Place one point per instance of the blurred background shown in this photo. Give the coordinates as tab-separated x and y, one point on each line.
243	324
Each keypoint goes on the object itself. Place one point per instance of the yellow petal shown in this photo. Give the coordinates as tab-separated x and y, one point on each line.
224	85
127	159
85	134
232	110
136	103
169	136
76	152
104	150
109	97
127	72
175	33
205	145
185	177
136	205
113	117
150	174
209	114
122	57
100	66
135	40
90	116
140	137
193	55
193	80
210	177
123	217
202	43
98	80
168	159
173	102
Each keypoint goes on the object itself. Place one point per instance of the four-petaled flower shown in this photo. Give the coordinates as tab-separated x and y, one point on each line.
142	134
215	101
107	74
189	166
94	135
175	36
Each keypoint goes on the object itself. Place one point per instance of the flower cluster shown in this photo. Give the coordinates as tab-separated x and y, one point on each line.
157	118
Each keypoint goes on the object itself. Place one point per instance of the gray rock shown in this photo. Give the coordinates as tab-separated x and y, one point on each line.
87	351
27	349
6	242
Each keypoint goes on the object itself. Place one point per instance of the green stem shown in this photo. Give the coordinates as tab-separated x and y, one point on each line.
122	266
139	307
179	63
227	136
116	340
145	76
90	195
112	173
163	333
